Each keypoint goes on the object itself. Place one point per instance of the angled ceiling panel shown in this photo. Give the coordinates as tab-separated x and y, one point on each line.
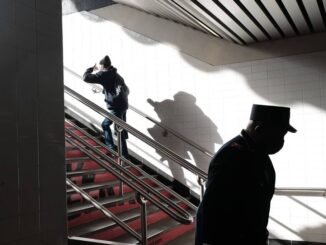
188	16
201	20
257	12
244	19
314	14
216	10
279	17
241	21
297	16
209	16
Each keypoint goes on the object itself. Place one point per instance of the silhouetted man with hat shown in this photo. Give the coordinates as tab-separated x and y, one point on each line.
241	180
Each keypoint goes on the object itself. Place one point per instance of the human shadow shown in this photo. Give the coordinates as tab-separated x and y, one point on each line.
185	117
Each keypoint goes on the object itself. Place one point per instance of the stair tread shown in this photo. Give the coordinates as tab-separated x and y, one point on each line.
105	223
85	172
186	239
92	186
89	171
70	159
153	229
81	207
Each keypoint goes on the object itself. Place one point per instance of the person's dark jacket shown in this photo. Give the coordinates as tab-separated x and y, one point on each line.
114	88
235	207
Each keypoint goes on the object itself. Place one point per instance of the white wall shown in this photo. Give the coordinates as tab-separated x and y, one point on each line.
32	167
211	104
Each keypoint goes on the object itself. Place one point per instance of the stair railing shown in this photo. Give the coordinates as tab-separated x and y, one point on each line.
202	176
144	190
133	181
98	89
126	161
297	191
104	210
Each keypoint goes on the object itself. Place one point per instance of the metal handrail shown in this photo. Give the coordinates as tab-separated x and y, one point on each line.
175	133
157	146
124	175
168	129
105	211
300	191
148	176
96	241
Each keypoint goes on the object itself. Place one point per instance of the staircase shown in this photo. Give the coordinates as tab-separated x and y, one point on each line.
86	221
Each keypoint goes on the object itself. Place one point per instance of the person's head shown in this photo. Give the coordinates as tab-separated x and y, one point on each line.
268	125
105	63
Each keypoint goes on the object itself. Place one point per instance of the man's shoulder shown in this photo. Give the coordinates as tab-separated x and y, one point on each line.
232	152
235	145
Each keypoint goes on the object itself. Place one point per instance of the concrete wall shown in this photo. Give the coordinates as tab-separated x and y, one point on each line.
175	83
32	167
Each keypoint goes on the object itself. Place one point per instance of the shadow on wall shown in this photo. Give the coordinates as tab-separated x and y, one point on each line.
284	80
264	77
308	232
313	231
72	6
305	234
178	114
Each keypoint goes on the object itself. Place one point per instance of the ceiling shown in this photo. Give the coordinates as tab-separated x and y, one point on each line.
241	21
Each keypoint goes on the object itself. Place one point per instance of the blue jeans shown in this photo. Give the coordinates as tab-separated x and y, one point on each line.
108	133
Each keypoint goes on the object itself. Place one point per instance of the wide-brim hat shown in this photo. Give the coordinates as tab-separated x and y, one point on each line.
276	115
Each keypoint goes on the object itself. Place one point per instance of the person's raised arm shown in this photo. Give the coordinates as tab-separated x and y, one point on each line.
92	78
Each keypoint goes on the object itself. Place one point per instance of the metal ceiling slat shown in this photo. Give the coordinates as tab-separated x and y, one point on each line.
279	17
241	21
288	16
200	19
314	14
158	9
322	11
305	15
192	18
206	19
236	38
270	17
236	20
295	13
154	7
253	19
241	13
173	14
226	19
179	16
254	9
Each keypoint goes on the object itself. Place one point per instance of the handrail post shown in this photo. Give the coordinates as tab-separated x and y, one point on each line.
119	132
202	187
143	217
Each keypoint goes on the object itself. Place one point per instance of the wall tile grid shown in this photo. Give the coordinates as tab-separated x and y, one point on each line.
31	66
210	105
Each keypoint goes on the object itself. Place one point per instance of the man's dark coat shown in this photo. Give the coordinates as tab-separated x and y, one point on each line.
236	204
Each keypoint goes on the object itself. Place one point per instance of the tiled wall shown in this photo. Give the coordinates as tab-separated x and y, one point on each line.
32	168
211	104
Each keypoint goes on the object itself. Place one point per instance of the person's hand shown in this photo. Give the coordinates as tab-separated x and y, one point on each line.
95	67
